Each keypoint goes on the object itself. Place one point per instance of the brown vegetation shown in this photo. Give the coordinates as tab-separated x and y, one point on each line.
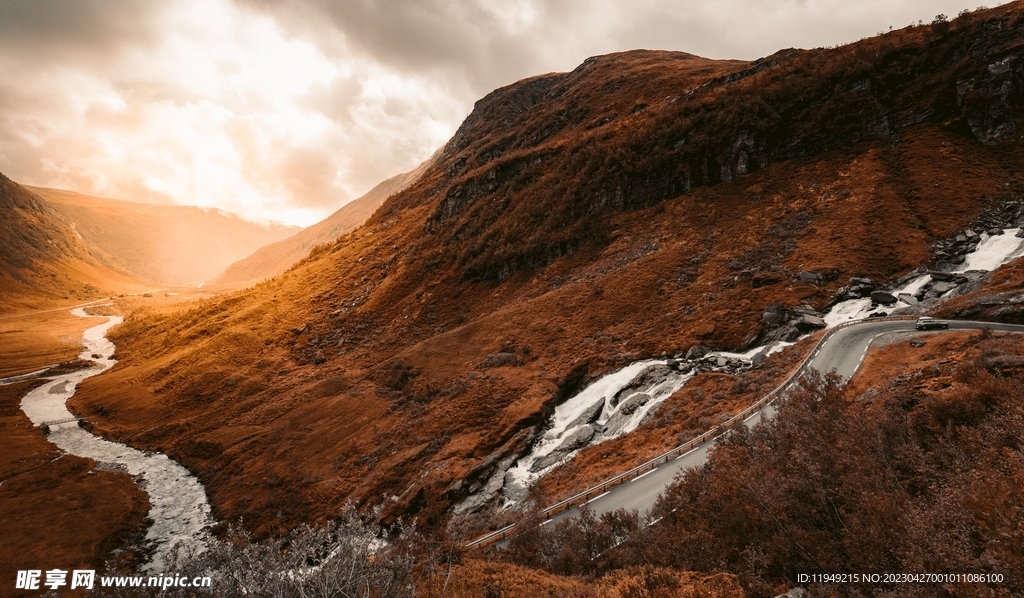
923	474
58	510
43	262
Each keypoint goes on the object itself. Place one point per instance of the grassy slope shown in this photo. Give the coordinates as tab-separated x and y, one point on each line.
273	259
162	244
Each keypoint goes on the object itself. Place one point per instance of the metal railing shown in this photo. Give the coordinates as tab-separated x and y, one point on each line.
586	495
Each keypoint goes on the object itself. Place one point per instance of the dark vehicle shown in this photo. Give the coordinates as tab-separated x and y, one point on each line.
931	324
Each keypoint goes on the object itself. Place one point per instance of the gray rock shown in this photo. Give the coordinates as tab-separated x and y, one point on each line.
614	424
809	277
578	439
807	322
907	298
941	288
882	298
650	377
634	402
721	361
861	290
806	309
696	352
773	316
917	343
902	280
784	334
589	415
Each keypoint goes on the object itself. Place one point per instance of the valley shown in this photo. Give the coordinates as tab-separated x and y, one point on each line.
671	295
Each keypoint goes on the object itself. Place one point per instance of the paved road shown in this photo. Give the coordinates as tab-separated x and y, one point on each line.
842	352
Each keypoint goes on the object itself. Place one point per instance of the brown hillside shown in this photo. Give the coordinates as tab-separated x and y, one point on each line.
42	259
275	258
160	244
641	204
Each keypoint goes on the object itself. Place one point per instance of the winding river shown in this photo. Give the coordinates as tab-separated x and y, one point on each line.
179	510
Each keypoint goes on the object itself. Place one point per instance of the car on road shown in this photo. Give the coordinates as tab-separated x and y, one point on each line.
926	323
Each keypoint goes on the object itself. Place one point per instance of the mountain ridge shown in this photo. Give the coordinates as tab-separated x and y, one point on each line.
274	258
160	243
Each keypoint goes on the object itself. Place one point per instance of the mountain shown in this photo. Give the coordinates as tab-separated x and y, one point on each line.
42	258
644	204
273	259
160	244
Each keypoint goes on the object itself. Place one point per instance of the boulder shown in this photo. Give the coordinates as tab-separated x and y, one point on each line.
634	402
807	322
941	288
784	334
809	277
319	358
696	352
589	415
578	439
907	298
774	314
883	298
650	377
941	276
861	290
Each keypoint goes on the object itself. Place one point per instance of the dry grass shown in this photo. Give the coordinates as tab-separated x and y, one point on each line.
57	510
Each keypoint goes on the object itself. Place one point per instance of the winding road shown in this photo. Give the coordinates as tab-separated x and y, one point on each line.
842	351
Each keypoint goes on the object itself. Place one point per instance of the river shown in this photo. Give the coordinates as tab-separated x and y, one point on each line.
179	510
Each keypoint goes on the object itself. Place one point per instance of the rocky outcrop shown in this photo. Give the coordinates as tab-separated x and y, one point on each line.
986	98
788	324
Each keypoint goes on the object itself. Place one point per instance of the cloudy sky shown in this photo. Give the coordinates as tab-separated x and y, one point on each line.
286	109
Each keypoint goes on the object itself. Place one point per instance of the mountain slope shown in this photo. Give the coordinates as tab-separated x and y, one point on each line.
273	259
42	258
644	203
161	244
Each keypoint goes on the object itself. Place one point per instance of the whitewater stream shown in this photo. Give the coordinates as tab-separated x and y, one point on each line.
618	403
178	506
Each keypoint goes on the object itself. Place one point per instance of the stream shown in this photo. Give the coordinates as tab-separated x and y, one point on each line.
621	401
179	510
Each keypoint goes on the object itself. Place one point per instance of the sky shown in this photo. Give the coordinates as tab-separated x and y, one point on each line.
284	110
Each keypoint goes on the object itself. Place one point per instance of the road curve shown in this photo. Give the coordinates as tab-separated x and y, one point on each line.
842	352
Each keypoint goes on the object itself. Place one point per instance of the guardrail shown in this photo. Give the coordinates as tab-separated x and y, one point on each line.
586	495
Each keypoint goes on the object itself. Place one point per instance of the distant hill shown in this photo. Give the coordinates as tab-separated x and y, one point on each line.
159	244
275	258
42	257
